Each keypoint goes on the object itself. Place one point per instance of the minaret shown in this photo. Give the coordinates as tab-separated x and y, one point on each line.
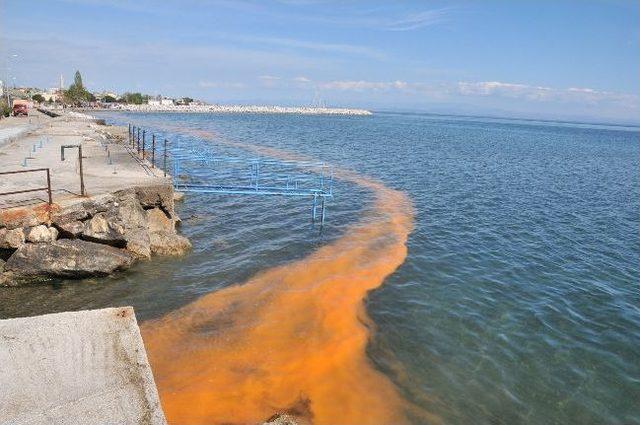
61	83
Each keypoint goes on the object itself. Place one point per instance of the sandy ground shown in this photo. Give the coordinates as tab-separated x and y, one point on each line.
34	142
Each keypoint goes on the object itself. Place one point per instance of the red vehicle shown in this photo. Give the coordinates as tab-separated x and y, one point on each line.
20	109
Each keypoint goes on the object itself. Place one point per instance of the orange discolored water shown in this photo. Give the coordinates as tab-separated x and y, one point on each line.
292	338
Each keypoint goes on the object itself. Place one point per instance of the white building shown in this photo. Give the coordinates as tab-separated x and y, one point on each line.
160	101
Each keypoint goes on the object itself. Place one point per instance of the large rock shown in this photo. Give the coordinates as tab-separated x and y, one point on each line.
134	224
139	243
13	218
11	239
121	224
102	230
69	229
42	233
178	196
131	213
284	419
70	258
156	196
70	213
158	221
168	243
99	203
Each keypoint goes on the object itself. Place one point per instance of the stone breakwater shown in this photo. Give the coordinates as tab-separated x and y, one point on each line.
242	109
91	237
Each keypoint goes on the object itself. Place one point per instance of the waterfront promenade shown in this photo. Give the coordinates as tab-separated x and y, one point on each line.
35	143
76	200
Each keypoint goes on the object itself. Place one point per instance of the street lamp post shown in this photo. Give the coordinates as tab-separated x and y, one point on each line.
6	81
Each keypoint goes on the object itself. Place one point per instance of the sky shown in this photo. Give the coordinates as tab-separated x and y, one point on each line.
568	60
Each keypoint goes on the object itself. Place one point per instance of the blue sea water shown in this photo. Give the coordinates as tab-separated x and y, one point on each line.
519	301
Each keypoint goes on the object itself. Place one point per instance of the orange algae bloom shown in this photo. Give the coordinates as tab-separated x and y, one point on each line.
292	339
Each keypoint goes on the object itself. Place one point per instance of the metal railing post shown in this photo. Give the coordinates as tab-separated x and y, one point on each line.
37	189
153	151
82	192
138	142
165	158
129	133
144	133
49	187
62	148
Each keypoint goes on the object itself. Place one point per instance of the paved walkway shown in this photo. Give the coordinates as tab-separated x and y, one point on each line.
107	165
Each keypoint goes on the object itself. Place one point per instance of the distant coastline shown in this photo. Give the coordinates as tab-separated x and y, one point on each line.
241	109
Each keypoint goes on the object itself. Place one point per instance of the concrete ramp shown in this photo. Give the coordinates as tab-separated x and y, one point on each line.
86	367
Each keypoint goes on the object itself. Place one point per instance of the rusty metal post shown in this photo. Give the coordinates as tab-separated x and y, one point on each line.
79	146
133	136
82	192
165	158
49	187
129	139
144	133
138	141
153	151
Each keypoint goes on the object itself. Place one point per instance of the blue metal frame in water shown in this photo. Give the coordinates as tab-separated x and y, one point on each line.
235	176
193	166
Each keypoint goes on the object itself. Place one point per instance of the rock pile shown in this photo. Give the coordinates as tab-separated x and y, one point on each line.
94	237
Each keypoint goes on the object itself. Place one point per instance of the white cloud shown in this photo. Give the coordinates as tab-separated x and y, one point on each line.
301	80
543	94
580	97
416	21
362	85
298	44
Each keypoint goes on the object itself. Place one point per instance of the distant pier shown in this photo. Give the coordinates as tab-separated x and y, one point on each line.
243	109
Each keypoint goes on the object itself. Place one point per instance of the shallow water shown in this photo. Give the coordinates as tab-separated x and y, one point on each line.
518	299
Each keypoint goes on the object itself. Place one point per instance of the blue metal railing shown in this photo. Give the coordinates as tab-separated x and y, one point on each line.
198	168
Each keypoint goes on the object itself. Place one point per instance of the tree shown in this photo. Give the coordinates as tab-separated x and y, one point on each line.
77	80
76	93
109	99
5	110
133	98
38	98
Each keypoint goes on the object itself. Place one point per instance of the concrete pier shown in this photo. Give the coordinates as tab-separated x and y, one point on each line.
86	367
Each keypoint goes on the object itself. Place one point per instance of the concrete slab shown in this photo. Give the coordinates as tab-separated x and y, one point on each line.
86	367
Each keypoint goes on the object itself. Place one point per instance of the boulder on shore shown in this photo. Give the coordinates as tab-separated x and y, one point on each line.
68	258
159	221
69	229
11	239
168	243
102	230
42	233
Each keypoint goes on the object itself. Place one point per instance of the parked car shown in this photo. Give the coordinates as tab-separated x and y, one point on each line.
20	109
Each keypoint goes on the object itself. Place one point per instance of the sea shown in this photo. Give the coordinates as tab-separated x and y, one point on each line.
470	270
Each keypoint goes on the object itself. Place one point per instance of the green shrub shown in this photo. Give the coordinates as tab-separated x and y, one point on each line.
5	110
